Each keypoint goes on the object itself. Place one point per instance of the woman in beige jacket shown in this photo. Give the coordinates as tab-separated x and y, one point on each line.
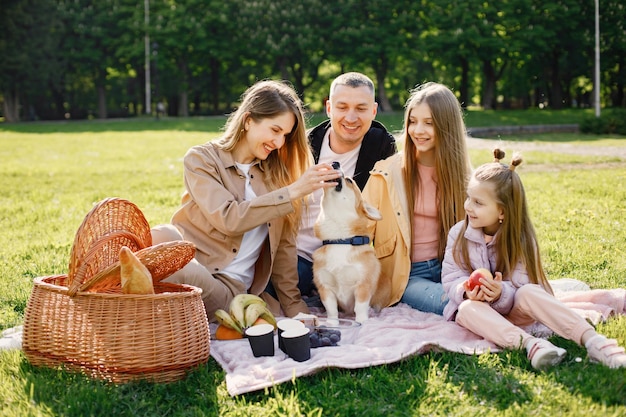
420	193
242	202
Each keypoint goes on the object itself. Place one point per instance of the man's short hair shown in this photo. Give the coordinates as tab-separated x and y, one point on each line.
354	80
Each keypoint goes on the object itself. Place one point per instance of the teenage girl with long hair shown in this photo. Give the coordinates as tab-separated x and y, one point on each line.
420	193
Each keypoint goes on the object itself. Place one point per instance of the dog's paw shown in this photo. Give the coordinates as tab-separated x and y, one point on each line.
332	321
362	319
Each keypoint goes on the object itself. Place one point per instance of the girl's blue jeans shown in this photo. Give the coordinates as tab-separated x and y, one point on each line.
424	291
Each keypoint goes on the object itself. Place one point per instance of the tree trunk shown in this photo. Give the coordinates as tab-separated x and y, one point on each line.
183	104
102	102
489	87
617	97
197	101
172	104
383	101
556	96
282	66
183	95
215	84
298	79
381	73
11	107
59	106
464	89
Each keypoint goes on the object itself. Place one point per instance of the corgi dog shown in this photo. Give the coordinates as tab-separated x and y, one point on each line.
346	270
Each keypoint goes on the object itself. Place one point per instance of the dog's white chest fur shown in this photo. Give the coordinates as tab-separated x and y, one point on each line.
345	270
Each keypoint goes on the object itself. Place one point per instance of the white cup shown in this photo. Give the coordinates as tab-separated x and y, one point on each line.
261	338
286	324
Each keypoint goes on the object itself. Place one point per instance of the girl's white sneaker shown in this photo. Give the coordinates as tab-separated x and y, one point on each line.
606	351
543	354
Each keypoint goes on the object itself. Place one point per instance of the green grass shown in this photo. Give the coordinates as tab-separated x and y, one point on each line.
52	173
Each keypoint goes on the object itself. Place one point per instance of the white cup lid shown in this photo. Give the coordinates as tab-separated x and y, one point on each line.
285	324
295	332
259	329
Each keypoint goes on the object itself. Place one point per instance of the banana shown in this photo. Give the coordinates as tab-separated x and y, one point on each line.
253	312
269	317
227	320
239	304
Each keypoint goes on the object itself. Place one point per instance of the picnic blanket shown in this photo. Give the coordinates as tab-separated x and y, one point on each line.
394	334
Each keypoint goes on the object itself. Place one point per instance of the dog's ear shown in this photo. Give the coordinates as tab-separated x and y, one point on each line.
371	212
363	206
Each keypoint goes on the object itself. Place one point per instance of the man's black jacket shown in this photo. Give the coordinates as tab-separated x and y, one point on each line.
377	144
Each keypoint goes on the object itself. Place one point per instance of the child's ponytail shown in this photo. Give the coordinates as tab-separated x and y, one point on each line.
498	154
516	161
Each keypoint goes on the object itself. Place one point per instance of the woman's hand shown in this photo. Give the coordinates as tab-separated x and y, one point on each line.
313	179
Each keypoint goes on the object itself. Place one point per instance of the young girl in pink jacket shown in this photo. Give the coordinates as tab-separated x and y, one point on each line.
498	235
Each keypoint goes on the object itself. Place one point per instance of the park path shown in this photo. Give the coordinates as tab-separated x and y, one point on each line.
565	148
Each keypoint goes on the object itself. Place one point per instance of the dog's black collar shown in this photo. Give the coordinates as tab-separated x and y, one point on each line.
354	241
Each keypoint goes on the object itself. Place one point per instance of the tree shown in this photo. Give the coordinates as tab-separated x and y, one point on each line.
374	35
178	34
451	39
28	49
93	30
556	44
290	37
498	42
83	57
613	50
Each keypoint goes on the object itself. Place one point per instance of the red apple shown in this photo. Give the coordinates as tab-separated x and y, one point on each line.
474	278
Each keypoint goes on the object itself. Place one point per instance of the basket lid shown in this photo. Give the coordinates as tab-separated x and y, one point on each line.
162	260
109	225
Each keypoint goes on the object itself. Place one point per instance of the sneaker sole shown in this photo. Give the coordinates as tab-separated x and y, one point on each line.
549	359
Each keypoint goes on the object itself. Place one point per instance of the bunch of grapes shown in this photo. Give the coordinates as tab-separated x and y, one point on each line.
322	336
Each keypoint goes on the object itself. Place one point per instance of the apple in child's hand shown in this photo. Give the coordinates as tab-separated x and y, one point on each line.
474	278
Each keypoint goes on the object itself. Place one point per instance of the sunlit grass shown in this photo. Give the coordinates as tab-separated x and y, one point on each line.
50	180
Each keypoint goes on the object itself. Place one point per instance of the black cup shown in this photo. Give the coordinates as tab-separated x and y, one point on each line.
286	324
297	344
261	338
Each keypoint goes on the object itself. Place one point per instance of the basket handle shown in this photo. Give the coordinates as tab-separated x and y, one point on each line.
94	279
97	246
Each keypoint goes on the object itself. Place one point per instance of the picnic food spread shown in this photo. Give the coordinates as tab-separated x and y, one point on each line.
245	310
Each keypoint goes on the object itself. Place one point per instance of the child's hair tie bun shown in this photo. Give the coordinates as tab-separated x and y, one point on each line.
498	154
515	161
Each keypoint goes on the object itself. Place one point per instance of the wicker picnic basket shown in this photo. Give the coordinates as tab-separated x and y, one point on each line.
83	322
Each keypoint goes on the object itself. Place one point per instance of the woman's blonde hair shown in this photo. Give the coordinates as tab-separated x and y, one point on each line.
452	164
516	240
268	99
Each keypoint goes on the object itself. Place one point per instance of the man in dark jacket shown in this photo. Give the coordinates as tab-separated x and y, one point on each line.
351	137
